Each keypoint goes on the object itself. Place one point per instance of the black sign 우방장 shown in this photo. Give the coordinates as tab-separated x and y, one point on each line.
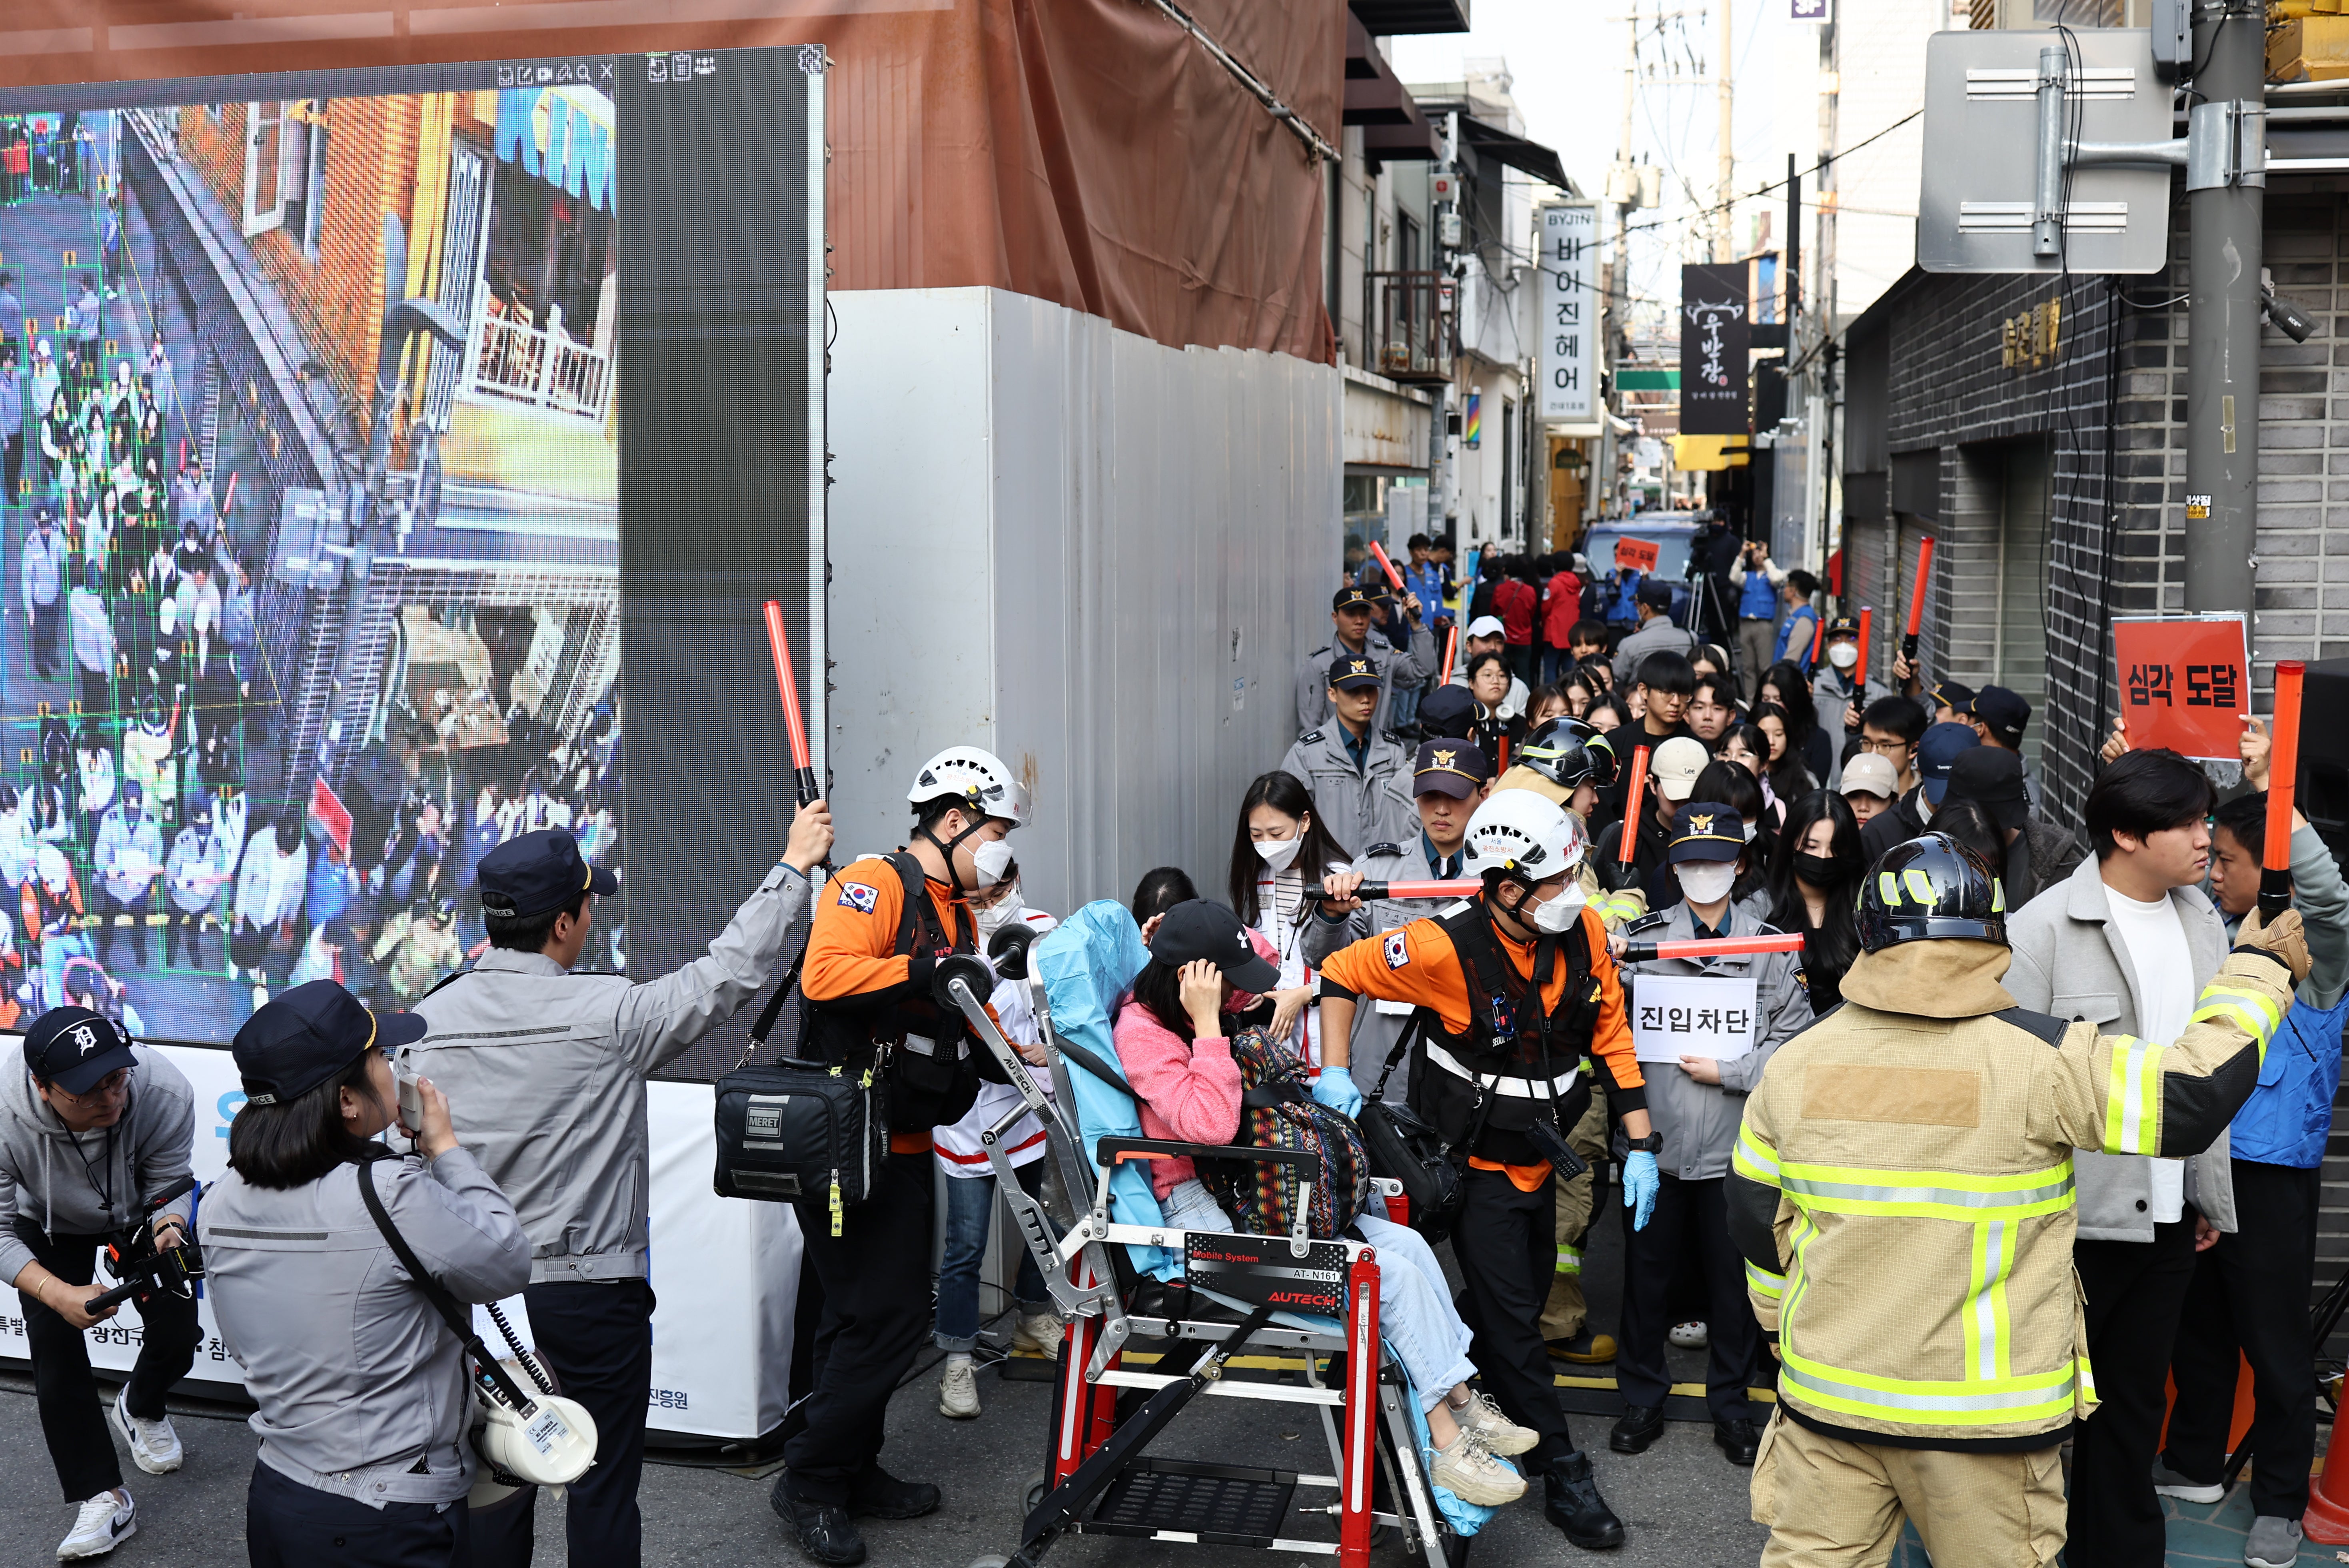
1714	339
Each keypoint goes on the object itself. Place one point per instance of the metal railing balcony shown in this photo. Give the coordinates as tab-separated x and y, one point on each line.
1410	323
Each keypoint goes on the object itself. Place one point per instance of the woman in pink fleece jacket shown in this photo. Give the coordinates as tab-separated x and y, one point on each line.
1172	1042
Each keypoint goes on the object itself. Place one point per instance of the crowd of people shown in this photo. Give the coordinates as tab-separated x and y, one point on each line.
1861	1167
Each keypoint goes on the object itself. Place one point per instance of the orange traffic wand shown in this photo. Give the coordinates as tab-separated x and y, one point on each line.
1703	947
1867	637
2284	773
1371	891
1917	599
1818	639
1451	654
1379	553
787	684
1634	798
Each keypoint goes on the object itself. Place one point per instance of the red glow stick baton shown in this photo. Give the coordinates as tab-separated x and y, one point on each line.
1860	670
2283	774
1378	553
1818	639
1451	654
1917	598
788	685
1634	797
1371	891
228	499
1713	946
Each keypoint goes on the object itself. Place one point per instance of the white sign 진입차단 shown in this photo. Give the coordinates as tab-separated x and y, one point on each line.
1570	311
1676	1016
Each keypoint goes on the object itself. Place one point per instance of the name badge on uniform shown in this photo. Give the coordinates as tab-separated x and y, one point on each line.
1676	1016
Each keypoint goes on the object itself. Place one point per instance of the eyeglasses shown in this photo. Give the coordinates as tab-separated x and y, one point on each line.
1880	747
102	1091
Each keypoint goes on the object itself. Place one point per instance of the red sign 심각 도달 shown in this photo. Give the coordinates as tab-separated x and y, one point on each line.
2184	683
1639	554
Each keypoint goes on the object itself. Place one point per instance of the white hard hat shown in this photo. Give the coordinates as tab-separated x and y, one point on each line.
54	872
1526	834
973	779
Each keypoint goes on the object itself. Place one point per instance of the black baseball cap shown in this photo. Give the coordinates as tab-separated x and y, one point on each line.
1656	595
1938	751
2004	713
1200	928
73	1047
1992	778
1365	597
304	1038
1348	673
1448	711
1453	768
1706	831
533	873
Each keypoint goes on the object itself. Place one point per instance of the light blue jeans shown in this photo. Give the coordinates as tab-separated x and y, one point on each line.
1416	1317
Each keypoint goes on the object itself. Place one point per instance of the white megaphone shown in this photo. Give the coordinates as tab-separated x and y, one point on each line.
551	1444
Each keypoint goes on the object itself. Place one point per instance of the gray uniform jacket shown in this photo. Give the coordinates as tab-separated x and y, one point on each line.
1833	694
1697	1120
358	1380
1360	805
1658	636
44	1179
2069	963
544	1072
1376	1029
1413	666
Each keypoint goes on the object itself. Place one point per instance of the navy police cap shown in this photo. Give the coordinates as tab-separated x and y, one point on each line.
534	874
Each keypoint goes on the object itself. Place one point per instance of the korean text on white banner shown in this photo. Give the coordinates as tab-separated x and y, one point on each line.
726	1272
1676	1016
1570	311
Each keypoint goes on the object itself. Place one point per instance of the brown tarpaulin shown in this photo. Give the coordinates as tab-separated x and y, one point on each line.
1083	151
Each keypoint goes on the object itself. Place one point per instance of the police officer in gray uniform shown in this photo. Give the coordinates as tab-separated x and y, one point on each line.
363	1394
547	1069
1349	614
1358	774
1450	780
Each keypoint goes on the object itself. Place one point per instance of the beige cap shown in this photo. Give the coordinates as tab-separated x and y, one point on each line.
1869	774
1674	765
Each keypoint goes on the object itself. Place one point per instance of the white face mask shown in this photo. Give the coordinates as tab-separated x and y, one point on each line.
1843	655
1278	853
990	861
1706	882
1560	912
998	915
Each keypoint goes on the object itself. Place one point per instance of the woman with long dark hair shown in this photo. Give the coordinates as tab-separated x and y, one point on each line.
1784	684
1813	886
1784	777
1279	851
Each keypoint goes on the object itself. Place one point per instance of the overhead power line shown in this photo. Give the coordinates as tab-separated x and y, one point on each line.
1775	184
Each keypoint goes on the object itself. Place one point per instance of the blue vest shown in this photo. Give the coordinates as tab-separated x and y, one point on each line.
1805	620
1760	602
2289	1114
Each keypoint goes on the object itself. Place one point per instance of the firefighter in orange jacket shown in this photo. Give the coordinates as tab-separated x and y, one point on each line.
1515	992
880	928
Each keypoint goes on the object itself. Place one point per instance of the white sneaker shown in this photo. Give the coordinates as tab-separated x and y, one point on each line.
1494	1429
1041	1334
1689	1335
154	1446
959	1391
1469	1469
104	1523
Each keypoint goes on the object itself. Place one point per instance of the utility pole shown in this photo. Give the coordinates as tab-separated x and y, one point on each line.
2224	251
1619	292
1722	251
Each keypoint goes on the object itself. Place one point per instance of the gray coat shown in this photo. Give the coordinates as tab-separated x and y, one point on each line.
44	1178
1698	1121
544	1072
1376	1028
1413	666
1658	635
2069	963
1360	805
358	1380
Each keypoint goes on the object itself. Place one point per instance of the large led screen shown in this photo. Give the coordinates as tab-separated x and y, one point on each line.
368	511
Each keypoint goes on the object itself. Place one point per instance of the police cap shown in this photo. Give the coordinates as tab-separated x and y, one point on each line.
309	1036
533	873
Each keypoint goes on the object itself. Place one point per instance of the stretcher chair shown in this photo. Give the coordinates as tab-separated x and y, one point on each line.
1120	1273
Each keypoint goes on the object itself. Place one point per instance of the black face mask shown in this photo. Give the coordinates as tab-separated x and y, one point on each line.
1819	871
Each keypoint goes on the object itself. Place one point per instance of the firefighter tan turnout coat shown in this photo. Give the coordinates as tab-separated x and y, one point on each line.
1902	1189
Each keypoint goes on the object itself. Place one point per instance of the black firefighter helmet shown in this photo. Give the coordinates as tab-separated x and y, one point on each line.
1927	889
1566	751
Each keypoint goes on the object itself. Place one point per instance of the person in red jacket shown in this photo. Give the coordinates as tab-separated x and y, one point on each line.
1561	608
1515	600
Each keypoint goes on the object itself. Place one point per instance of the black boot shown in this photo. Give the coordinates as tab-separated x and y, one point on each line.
1638	1428
877	1494
824	1529
1575	1506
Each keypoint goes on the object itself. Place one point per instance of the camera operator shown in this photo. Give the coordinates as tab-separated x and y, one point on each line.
363	1393
548	1070
877	934
90	1132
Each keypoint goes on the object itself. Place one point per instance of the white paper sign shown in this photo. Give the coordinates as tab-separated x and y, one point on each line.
1570	311
1676	1016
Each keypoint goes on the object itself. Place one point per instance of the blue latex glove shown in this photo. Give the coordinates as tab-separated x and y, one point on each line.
1336	1088
1639	1184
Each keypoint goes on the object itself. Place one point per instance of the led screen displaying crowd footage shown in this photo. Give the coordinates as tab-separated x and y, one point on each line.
353	516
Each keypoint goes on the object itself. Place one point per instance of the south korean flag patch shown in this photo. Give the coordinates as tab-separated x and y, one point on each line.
859	897
1397	947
